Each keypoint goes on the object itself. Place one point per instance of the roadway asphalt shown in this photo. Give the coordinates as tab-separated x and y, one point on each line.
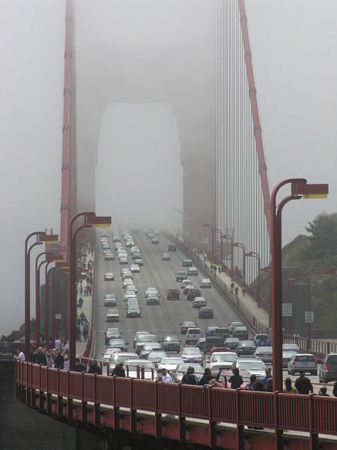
160	319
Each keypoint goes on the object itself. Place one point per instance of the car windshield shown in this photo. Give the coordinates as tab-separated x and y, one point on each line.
139	363
304	358
190	331
290	347
147	338
192	351
175	361
247	344
122	358
252	365
264	350
223	357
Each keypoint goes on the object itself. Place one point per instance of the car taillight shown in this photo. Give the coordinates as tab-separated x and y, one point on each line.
326	367
294	362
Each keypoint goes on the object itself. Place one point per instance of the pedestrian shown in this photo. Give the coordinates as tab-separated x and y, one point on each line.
79	366
19	355
94	367
232	287
266	377
303	384
219	268
243	292
66	361
59	360
165	376
236	379
258	386
236	290
119	370
269	385
335	389
323	392
251	385
189	377
288	387
49	359
207	377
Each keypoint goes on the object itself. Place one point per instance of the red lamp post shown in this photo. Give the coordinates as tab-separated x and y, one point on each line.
37	294
41	237
241	245
258	290
207	225
299	189
89	219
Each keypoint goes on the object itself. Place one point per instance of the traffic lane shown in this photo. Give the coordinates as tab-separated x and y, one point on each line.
223	312
152	318
189	312
164	273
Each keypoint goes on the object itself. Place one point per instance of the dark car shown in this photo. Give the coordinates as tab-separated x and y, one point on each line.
206	312
172	248
246	348
262	340
328	368
223	332
152	300
171	344
212	341
173	294
187	263
232	343
201	343
210	331
240	333
192	293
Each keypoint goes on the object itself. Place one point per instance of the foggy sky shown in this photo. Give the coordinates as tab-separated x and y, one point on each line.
294	48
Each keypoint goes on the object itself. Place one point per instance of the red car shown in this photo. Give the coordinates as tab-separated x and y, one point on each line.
173	294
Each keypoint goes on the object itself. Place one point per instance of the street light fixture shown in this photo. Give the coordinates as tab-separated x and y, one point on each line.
241	245
89	218
258	290
299	189
40	237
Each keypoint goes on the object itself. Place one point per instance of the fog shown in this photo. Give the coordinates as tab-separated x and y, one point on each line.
146	63
139	173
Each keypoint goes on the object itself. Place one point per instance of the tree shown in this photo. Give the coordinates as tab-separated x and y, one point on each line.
323	237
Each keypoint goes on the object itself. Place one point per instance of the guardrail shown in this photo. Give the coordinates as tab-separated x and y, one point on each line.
271	410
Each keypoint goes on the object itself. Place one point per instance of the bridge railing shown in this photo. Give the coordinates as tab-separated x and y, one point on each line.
271	410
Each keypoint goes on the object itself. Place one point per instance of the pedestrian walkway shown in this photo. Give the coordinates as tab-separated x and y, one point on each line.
86	307
257	317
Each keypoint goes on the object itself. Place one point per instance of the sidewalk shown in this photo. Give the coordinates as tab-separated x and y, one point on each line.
86	309
257	317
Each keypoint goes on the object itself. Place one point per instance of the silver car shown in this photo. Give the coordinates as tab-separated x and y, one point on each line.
302	362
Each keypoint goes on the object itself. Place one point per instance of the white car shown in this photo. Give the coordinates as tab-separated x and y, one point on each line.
182	369
109	256
121	357
127	282
170	363
199	302
192	272
192	354
156	356
139	261
222	360
251	366
109	352
130	294
108	276
131	288
123	260
186	283
151	291
166	256
112	315
135	268
205	283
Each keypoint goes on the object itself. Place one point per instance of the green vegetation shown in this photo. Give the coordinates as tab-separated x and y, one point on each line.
316	257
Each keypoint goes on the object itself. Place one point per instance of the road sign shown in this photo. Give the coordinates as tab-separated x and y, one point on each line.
309	316
287	309
58	316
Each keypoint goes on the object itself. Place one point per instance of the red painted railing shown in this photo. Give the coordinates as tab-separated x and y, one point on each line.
278	411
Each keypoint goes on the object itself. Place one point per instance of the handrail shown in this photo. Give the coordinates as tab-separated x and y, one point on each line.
273	410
